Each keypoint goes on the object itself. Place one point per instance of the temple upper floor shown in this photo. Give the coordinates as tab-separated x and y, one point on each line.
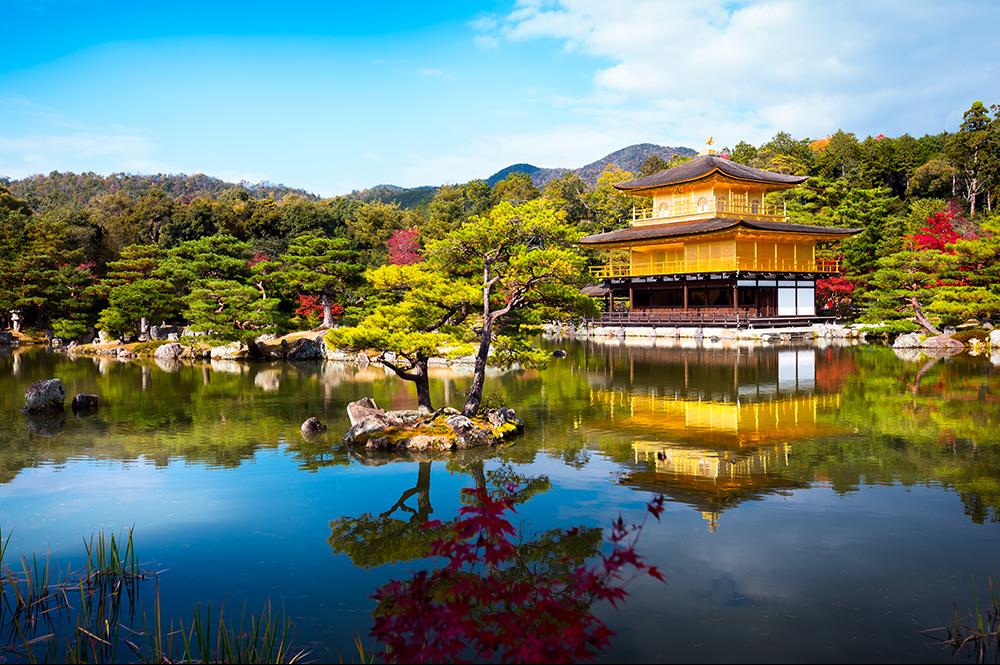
708	187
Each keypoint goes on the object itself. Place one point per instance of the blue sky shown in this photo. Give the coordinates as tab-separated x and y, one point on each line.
337	96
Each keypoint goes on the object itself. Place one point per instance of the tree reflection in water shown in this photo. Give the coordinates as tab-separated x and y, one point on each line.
501	595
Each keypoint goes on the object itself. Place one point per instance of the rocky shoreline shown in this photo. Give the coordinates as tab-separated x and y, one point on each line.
296	346
310	345
413	430
976	340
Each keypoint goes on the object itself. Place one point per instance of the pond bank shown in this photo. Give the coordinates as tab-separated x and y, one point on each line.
295	346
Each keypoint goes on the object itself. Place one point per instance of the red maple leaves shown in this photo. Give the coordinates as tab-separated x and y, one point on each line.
313	306
404	247
487	602
937	233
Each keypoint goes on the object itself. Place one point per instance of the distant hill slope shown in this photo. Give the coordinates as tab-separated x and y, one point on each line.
57	189
628	159
406	197
45	192
631	158
514	168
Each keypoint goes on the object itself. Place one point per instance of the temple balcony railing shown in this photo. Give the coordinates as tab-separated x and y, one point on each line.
707	265
707	208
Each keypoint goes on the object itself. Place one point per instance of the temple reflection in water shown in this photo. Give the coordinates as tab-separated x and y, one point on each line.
712	427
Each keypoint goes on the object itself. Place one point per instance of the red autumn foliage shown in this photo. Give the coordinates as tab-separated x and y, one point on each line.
937	233
259	257
313	306
486	603
404	247
835	293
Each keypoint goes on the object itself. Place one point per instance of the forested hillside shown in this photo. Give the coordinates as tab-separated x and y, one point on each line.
45	192
79	252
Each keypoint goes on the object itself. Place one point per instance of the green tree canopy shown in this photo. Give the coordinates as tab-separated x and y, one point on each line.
320	266
421	315
228	310
517	187
521	259
132	301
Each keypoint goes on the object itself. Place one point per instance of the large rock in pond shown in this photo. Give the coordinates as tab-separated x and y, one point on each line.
7	338
42	396
942	344
170	351
505	420
994	339
445	429
361	409
907	341
305	349
85	402
233	351
312	426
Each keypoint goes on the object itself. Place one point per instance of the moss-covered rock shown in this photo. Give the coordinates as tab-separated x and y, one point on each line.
445	429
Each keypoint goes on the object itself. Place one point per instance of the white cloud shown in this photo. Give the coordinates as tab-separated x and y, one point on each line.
27	155
486	42
61	143
683	70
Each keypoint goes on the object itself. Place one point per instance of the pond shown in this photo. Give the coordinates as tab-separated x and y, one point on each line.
824	503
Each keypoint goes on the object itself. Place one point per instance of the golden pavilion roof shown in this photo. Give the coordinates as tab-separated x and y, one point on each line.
704	166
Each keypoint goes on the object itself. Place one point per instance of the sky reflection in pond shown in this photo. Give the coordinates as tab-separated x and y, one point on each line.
825	503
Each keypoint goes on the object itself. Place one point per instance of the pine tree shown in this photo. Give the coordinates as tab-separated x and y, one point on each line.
228	310
319	266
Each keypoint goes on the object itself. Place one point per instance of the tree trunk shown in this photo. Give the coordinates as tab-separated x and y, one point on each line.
417	373
918	314
475	395
423	384
424	508
327	312
479	378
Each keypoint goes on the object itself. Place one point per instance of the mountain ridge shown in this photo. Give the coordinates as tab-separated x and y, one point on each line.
629	158
64	188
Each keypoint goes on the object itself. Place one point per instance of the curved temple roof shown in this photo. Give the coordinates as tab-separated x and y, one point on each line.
704	165
677	229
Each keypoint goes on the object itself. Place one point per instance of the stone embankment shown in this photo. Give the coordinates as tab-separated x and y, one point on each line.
913	346
306	345
817	331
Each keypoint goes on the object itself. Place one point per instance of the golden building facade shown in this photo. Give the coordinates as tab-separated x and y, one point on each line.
708	248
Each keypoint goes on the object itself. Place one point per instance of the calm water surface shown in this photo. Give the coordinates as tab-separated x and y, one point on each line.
824	503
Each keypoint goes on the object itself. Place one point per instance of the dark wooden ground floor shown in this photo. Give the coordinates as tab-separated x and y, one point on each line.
740	300
705	317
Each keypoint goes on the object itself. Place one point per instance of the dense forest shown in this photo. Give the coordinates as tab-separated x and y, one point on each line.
81	253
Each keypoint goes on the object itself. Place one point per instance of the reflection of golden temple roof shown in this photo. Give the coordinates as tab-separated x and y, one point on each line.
710	496
724	423
707	479
716	465
720	453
